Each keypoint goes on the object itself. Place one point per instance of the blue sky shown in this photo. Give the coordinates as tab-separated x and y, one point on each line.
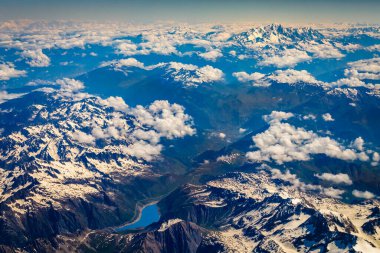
285	11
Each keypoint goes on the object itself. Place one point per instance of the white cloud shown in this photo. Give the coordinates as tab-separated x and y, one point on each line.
309	117
364	69
36	58
354	73
209	74
332	192
293	180
360	71
130	62
169	120
339	178
70	85
192	75
256	79
292	76
144	150
327	117
137	131
358	143
348	47
373	48
83	138
127	48
211	55
159	43
282	142
350	82
375	159
363	194
277	116
285	58
5	96
117	103
8	71
222	135
221	36
322	51
289	76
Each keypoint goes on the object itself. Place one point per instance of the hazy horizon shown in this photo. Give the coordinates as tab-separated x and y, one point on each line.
146	11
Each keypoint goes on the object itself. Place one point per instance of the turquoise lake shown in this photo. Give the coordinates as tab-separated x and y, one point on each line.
149	214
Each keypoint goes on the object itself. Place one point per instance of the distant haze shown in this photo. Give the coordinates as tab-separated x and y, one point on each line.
284	11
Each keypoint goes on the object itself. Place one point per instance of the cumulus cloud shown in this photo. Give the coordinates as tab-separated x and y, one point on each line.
350	82
220	36
289	76
364	69
143	150
363	194
8	71
358	143
375	158
192	75
297	183
359	72
209	74
169	120
130	62
292	76
36	58
242	130
339	178
282	143
285	58
5	96
309	117
327	117
117	103
256	79
136	131
322	50
70	85
160	43
127	48
211	55
349	47
153	43
373	48
277	116
83	138
160	119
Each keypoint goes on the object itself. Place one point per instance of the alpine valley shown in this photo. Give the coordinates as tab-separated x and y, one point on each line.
215	137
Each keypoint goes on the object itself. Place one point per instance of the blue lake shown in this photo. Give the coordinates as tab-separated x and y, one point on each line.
149	214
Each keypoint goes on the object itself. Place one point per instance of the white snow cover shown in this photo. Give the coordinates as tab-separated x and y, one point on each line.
284	230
